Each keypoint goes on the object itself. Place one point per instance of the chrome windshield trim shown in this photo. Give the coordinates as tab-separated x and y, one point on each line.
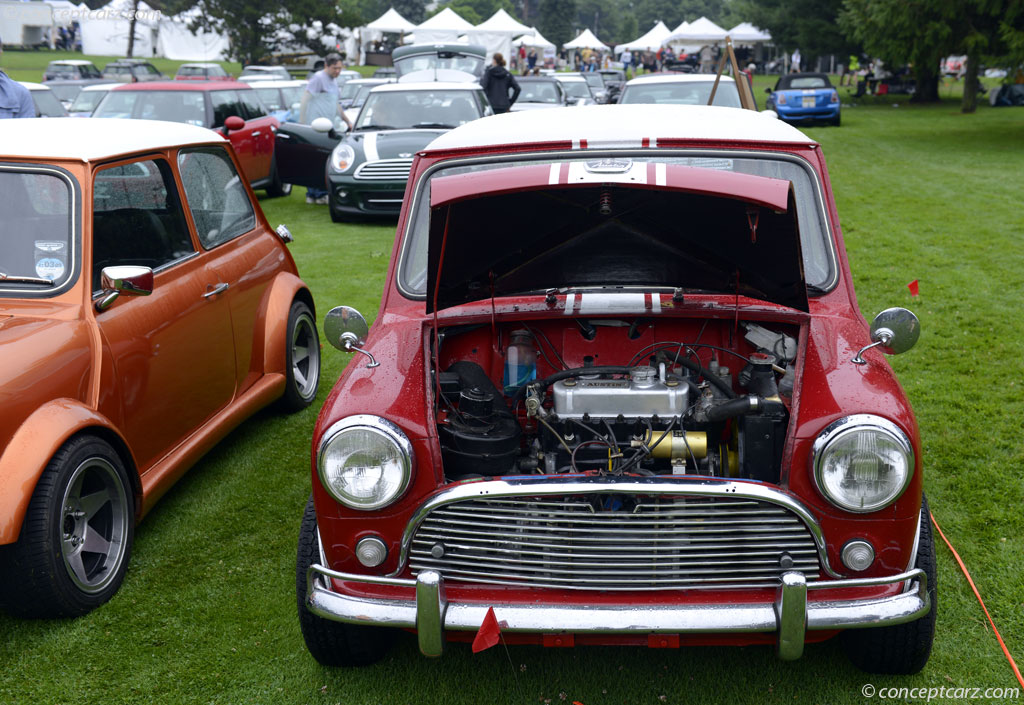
554	486
822	211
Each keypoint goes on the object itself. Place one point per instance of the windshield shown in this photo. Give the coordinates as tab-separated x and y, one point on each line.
446	60
47	104
814	242
404	109
279	98
593	79
36	251
66	92
682	93
539	92
576	89
87	101
175	106
350	89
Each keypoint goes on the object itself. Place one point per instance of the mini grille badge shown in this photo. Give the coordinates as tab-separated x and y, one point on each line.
405	155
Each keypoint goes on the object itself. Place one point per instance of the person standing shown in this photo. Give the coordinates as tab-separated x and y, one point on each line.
627	59
321	100
531	61
15	100
497	82
794	61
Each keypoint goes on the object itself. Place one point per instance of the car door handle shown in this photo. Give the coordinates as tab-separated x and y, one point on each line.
256	133
218	289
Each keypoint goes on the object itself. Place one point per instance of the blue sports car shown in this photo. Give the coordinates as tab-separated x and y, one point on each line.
804	96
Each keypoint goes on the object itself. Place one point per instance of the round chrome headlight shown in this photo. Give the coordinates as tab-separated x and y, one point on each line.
342	158
862	463
365	462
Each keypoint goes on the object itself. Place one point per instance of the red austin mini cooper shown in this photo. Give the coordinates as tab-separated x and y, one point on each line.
619	389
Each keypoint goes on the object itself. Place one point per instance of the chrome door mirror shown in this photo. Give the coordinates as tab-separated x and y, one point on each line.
346	330
894	330
130	280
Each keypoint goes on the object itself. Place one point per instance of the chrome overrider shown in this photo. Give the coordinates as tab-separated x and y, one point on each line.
427	609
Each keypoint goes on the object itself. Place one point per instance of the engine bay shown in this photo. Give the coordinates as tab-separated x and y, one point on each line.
643	396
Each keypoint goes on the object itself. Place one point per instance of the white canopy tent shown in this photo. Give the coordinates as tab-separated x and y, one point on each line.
536	40
445	26
176	41
105	31
651	41
496	33
701	31
586	40
746	33
391	21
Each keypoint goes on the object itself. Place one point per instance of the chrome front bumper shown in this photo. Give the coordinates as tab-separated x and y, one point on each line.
427	610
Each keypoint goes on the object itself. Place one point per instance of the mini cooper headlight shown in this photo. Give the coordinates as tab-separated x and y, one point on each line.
862	463
365	462
342	158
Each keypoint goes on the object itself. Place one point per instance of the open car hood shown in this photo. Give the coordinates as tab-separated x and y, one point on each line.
612	223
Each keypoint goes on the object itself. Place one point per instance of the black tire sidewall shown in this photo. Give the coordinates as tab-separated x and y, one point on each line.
293	398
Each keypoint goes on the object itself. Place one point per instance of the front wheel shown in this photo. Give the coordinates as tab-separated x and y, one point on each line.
76	538
332	643
902	649
302	358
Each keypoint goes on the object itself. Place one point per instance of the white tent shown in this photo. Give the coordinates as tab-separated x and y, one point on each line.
536	40
65	12
501	21
496	33
586	40
391	21
651	41
445	26
682	27
699	31
176	41
105	31
746	33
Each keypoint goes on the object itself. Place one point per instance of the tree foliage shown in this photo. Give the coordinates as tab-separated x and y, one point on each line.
476	11
808	25
557	19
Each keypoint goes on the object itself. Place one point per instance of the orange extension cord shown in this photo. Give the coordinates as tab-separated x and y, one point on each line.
956	555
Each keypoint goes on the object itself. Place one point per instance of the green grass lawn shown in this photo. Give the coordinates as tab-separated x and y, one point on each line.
207	612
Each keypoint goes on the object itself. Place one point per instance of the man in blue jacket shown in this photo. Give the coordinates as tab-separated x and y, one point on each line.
15	100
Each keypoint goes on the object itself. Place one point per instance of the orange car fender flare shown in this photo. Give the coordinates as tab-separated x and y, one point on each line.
286	288
35	442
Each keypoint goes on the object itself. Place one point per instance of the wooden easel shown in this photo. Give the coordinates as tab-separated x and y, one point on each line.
746	95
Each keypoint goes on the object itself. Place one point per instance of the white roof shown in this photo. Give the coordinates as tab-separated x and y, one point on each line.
278	83
426	86
501	21
71	62
34	86
570	78
586	40
677	78
95	138
391	21
99	87
746	32
700	30
651	41
622	126
535	40
446	20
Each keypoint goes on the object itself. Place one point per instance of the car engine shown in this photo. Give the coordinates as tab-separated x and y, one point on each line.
667	406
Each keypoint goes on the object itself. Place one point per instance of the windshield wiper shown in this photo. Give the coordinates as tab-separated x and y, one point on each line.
377	127
16	279
435	124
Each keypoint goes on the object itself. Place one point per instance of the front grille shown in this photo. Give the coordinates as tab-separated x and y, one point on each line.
615	542
385	170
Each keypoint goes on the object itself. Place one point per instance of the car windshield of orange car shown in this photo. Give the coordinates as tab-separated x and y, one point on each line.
174	106
38	252
634	211
418	109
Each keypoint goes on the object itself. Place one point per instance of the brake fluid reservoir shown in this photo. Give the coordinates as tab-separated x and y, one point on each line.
520	361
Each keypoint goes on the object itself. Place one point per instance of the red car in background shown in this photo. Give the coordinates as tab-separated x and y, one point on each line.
619	390
229	107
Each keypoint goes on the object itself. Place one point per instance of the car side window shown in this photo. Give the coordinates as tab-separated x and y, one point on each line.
225	104
216	196
137	217
251	105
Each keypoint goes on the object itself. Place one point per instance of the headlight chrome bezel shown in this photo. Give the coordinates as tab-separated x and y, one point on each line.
335	159
850	424
384	428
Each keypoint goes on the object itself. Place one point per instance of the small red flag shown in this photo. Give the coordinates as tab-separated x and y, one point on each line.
913	287
488	634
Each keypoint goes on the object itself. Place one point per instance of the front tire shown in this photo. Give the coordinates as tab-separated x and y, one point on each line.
76	538
332	643
902	649
302	358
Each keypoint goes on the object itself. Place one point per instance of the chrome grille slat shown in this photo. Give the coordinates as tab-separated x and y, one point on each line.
646	543
384	170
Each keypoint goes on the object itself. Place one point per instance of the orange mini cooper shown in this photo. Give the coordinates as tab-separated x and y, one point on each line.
146	309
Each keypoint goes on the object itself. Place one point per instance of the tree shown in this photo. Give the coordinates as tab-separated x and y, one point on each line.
808	25
918	32
476	11
556	20
413	10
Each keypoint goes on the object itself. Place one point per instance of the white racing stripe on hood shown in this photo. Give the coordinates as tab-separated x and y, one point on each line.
370	146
